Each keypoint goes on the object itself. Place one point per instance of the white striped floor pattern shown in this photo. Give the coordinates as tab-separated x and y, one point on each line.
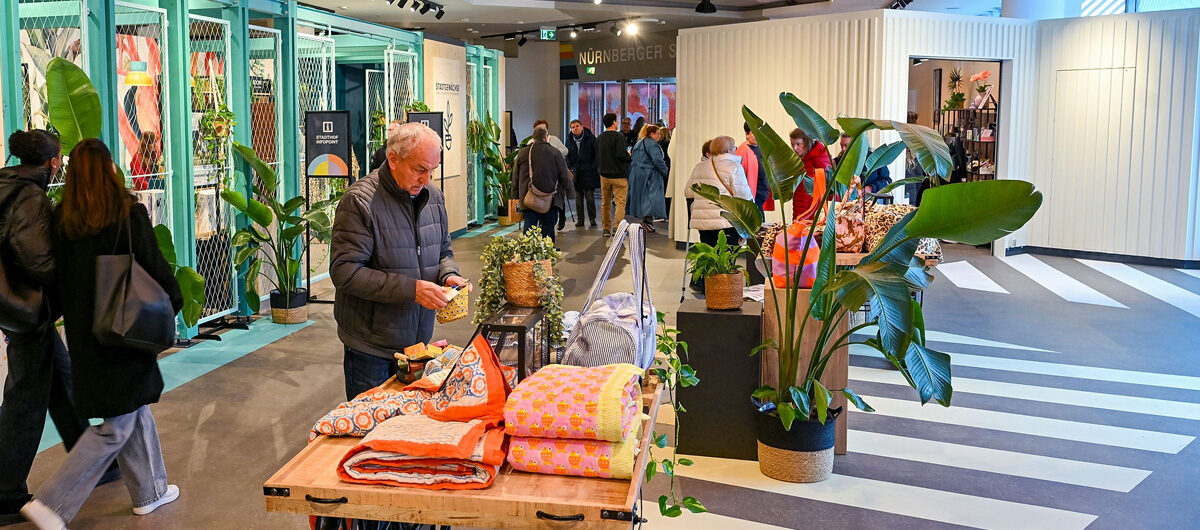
997	448
965	275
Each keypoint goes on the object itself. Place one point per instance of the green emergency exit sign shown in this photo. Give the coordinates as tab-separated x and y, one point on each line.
549	34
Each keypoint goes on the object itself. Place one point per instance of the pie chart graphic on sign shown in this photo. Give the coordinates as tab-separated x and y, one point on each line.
328	165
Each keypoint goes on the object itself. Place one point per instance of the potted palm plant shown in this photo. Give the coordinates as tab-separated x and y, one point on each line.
717	265
795	427
274	236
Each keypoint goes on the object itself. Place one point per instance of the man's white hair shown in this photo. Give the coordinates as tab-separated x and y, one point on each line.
406	138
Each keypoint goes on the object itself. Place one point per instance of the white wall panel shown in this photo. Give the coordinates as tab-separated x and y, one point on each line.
831	62
1114	148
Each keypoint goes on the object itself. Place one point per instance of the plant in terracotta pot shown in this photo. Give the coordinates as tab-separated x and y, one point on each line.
796	413
717	265
273	236
520	270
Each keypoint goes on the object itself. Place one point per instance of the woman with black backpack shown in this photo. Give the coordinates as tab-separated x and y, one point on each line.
100	217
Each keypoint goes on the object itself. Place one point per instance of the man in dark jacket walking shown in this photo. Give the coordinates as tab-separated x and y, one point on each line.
391	259
612	160
39	369
581	159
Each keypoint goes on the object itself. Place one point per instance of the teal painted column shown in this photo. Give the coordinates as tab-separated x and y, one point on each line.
290	127
11	92
177	121
101	63
237	69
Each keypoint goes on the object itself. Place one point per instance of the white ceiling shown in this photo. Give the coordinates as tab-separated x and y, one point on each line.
471	19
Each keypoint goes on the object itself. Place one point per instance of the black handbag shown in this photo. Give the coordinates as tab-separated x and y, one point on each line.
131	309
22	303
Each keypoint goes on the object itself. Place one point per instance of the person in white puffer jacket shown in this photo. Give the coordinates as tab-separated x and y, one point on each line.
722	170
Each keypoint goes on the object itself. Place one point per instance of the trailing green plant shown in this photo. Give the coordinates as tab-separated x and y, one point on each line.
529	246
275	233
378	130
675	373
416	106
191	283
708	260
216	129
973	213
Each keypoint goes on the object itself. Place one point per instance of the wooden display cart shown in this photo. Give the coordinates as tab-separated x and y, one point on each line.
309	485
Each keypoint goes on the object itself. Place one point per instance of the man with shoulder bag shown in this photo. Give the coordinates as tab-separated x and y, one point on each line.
539	172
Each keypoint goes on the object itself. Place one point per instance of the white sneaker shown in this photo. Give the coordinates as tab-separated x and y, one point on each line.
167	498
42	516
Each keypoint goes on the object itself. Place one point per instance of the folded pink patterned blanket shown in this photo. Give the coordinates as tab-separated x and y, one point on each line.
581	458
560	401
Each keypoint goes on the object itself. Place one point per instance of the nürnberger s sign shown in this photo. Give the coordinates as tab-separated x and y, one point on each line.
648	55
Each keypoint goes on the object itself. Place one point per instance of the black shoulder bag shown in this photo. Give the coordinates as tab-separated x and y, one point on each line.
131	309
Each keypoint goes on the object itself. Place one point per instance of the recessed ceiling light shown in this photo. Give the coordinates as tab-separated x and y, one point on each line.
520	22
345	7
466	20
631	28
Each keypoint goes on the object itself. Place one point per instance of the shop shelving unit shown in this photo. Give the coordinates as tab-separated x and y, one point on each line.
967	125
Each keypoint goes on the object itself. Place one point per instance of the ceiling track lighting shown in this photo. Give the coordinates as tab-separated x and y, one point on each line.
706	7
414	5
631	28
615	29
574	33
440	13
425	8
401	3
522	41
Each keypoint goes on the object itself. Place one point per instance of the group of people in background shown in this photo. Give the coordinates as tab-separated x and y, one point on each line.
629	167
49	260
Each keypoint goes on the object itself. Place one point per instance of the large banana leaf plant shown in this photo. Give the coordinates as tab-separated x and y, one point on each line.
275	232
74	111
974	213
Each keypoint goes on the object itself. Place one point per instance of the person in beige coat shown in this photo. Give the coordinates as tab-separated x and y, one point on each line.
723	171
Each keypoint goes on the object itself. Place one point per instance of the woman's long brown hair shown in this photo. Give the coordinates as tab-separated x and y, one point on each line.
94	196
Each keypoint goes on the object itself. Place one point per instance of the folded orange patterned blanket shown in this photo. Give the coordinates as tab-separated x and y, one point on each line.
560	401
421	452
474	385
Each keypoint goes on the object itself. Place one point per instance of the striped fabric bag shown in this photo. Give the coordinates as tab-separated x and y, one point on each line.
620	327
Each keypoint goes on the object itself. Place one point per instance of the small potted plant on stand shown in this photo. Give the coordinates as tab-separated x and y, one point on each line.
520	271
718	267
795	431
274	236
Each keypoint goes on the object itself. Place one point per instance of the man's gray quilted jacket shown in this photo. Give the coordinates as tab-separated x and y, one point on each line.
383	242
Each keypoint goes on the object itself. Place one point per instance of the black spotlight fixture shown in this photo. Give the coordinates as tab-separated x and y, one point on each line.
401	4
441	12
615	29
522	41
425	8
510	36
415	4
706	7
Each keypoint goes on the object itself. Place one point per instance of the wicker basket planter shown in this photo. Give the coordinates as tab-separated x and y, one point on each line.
803	454
724	291
289	310
521	286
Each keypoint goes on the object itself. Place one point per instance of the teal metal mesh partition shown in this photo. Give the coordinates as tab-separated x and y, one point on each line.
209	51
266	111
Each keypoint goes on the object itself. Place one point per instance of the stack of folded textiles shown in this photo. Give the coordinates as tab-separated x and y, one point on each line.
570	420
441	432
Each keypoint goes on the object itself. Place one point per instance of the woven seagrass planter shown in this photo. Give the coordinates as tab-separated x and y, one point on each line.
724	291
289	310
802	454
521	286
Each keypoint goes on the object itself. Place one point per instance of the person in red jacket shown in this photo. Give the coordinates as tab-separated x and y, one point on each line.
815	156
